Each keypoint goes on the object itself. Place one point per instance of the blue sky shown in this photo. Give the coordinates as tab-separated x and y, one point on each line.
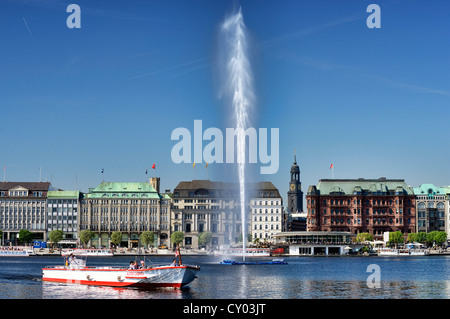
375	102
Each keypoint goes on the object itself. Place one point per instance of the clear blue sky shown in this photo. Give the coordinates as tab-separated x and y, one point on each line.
375	102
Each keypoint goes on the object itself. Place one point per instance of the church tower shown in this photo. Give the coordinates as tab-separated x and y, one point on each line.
295	194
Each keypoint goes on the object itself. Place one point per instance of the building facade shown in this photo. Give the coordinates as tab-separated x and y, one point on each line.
266	212
431	207
62	214
361	205
129	208
23	206
204	206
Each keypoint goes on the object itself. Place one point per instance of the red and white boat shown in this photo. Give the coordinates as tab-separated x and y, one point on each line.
76	272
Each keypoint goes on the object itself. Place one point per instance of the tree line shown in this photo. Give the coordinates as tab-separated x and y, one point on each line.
434	238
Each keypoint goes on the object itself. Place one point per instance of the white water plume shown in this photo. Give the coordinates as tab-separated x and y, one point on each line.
240	88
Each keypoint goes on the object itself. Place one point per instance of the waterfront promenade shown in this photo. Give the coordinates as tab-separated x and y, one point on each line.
196	252
133	252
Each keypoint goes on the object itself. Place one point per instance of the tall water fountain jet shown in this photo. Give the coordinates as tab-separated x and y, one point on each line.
240	89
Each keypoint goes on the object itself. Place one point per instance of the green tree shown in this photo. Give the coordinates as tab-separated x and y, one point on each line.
396	238
441	237
85	236
146	238
205	238
56	236
412	237
364	237
177	237
25	236
421	237
436	237
116	238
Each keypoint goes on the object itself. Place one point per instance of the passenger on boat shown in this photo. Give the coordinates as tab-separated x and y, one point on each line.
174	263
132	265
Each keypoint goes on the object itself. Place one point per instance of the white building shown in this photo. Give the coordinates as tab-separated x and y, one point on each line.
266	217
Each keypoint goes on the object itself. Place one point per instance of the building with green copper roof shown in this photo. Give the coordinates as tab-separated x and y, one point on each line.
431	207
124	190
130	208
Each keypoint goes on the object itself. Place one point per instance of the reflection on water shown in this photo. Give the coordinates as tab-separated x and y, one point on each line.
253	288
52	290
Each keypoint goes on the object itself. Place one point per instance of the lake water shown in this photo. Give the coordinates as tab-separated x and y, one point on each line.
303	277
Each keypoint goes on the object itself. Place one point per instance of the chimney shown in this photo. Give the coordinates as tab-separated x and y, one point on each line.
154	181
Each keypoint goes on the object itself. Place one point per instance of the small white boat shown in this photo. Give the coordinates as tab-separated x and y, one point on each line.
76	272
249	252
17	252
402	252
88	252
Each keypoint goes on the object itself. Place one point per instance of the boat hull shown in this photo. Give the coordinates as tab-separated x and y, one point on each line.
170	276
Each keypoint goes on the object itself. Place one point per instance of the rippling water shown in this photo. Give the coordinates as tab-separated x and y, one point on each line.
304	277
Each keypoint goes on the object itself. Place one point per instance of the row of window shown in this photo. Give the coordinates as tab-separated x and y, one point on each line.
266	203
266	211
350	221
375	211
378	202
425	223
35	226
439	205
262	235
125	201
19	193
266	219
266	227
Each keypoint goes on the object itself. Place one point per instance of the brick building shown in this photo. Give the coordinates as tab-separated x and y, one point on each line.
361	205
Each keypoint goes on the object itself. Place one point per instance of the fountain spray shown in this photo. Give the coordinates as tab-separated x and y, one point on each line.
239	84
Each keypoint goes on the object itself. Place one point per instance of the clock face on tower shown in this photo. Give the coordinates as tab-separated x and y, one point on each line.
292	187
299	187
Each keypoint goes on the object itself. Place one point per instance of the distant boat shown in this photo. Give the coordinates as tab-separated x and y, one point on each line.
402	252
249	252
17	251
88	252
273	262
